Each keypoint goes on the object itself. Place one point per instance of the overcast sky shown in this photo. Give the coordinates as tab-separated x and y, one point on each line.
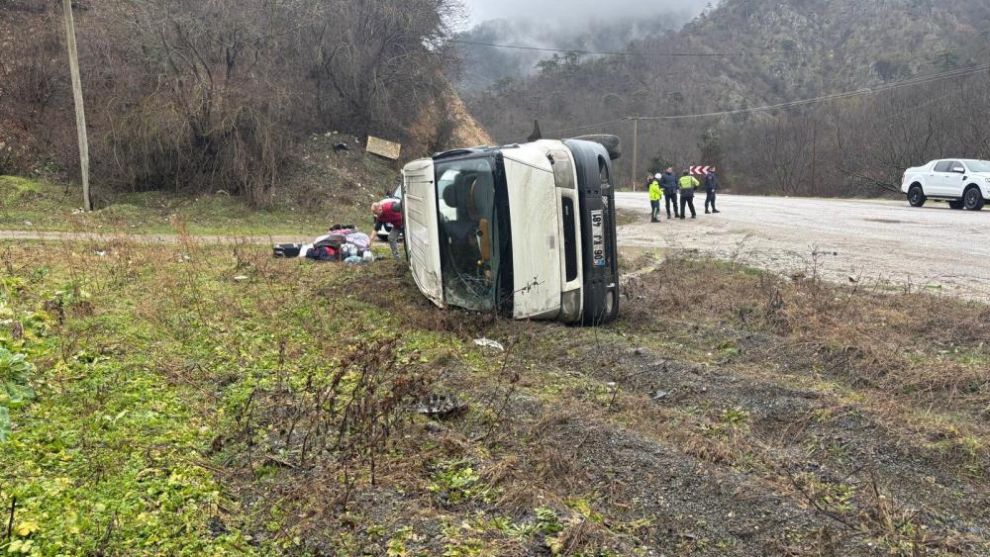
483	10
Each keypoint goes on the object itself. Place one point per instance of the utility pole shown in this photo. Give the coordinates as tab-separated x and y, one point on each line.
814	157
635	157
77	94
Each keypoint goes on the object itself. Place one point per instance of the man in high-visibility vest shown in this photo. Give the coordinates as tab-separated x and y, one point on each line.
656	194
649	180
687	185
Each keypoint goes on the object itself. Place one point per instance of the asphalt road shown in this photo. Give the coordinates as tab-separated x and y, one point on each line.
866	242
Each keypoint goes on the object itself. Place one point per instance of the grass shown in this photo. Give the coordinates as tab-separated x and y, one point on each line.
105	458
37	205
115	454
319	189
193	400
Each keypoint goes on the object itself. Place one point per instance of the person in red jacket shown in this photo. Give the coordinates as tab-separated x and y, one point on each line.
389	211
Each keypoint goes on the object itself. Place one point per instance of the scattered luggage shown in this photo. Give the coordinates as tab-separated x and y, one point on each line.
359	239
287	251
344	243
323	253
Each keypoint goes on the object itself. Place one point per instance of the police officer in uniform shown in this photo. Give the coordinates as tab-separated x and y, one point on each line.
668	181
711	186
687	185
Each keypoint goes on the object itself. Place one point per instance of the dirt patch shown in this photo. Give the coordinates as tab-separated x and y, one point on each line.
445	123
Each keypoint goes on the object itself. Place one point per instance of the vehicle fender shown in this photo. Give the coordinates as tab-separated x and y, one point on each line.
910	180
917	175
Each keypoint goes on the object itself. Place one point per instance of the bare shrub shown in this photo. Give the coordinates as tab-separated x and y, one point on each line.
186	95
333	434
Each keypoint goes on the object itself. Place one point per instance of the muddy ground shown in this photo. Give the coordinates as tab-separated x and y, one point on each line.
729	412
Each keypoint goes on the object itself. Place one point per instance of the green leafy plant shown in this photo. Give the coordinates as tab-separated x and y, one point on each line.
4	424
832	497
15	372
547	521
457	482
397	544
735	417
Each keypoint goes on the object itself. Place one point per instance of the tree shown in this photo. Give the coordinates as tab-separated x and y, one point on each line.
711	147
188	95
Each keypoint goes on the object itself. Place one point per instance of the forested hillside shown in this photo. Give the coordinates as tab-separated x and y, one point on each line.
745	54
481	65
191	96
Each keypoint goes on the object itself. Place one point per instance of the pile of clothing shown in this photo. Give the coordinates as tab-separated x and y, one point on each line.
343	243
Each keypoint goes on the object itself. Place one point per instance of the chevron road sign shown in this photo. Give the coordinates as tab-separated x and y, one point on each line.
699	170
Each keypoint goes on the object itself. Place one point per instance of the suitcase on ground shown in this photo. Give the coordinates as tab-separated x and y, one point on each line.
287	251
333	241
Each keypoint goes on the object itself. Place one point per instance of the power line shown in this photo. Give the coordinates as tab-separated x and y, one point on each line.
595	52
594	126
915	81
825	98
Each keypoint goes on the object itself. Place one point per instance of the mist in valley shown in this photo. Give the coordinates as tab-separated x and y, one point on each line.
543	30
577	11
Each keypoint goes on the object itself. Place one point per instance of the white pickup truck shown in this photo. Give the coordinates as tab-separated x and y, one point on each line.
964	184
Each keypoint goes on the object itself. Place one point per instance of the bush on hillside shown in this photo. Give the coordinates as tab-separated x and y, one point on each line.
188	95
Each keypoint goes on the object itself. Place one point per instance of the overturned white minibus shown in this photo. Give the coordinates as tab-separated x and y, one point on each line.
527	229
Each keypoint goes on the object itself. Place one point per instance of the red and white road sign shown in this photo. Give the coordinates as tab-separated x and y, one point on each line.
699	170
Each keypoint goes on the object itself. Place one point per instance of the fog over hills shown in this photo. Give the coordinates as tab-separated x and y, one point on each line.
581	25
577	11
738	56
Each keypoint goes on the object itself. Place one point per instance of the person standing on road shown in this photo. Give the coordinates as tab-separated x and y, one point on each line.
687	185
711	186
656	194
389	211
669	184
649	180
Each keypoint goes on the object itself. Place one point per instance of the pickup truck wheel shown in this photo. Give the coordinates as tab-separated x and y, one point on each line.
973	199
916	196
958	205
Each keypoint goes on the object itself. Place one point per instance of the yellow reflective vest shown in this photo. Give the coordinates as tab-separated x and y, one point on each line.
688	183
656	194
